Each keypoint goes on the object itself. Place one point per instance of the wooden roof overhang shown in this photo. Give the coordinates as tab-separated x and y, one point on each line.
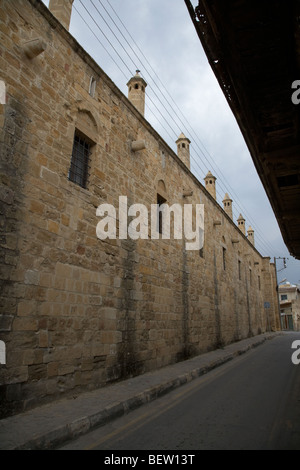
253	48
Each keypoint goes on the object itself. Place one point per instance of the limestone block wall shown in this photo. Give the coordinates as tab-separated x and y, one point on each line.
296	314
76	312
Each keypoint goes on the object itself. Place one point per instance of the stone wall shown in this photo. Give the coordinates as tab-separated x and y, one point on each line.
79	313
296	314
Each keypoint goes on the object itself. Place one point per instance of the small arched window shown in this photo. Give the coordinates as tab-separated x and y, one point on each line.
160	201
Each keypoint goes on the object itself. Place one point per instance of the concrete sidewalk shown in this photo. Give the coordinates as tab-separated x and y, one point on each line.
48	426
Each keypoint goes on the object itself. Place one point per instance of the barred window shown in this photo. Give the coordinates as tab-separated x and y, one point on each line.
79	169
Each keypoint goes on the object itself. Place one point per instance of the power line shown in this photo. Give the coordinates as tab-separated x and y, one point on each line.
104	35
211	166
149	96
228	187
99	40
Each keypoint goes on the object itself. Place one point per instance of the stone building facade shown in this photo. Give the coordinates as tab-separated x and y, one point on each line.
289	299
77	312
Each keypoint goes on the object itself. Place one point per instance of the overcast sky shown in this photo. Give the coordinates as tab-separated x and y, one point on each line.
183	95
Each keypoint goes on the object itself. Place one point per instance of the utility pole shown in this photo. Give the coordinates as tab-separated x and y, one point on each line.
277	286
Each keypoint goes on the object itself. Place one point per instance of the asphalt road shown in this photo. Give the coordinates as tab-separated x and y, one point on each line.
251	403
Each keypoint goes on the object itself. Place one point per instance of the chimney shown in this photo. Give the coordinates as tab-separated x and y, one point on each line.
137	92
62	10
210	184
183	150
242	224
228	205
251	236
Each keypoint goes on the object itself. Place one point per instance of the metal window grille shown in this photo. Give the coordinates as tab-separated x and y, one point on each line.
79	169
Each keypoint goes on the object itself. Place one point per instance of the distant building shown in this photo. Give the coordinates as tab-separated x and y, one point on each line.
289	298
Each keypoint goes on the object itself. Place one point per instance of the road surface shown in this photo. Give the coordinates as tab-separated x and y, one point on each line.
251	403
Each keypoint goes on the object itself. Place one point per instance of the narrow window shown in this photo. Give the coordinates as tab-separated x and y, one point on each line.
160	202
250	276
79	169
224	259
92	90
259	283
240	270
2	353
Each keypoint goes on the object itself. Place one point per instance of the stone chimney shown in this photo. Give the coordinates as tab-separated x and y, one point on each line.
137	92
228	205
183	150
62	10
210	184
242	224
251	236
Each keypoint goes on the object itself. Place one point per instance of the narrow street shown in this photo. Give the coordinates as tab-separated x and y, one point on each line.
252	402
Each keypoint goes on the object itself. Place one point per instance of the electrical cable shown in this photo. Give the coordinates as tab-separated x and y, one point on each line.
149	97
236	199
